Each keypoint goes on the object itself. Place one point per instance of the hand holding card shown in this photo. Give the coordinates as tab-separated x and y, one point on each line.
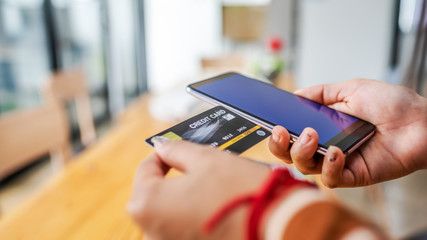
218	127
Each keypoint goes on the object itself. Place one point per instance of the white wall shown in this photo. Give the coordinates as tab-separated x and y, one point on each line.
343	39
178	34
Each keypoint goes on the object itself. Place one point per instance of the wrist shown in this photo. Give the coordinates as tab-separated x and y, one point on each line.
422	160
279	184
232	226
277	219
270	225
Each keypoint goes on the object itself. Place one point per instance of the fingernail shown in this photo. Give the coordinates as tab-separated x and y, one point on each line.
276	137
332	154
158	141
304	138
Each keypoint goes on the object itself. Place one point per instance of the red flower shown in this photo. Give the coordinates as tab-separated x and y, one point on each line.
275	44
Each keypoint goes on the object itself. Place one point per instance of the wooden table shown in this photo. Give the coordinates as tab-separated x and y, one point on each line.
87	199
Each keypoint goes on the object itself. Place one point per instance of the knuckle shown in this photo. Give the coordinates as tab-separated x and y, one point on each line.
303	170
140	207
283	155
170	150
287	160
280	152
138	213
209	164
329	184
304	162
329	181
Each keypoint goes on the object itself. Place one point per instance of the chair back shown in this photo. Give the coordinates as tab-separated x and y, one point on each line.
28	134
69	86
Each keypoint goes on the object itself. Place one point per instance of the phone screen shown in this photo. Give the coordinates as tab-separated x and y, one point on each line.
279	107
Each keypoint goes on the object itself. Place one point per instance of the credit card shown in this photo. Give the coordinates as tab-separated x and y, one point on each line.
218	127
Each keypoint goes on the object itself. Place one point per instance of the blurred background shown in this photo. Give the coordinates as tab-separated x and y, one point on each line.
129	48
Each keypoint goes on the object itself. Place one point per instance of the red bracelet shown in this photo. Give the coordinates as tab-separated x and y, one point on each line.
278	183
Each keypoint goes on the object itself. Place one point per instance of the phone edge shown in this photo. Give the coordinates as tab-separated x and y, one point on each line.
257	121
322	150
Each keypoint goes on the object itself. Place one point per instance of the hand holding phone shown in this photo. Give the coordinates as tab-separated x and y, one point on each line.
269	106
397	149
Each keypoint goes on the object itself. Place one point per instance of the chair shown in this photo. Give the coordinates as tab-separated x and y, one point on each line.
28	134
69	86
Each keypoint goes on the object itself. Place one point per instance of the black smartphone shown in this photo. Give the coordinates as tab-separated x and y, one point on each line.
268	106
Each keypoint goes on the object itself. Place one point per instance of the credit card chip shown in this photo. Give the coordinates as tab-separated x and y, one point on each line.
172	136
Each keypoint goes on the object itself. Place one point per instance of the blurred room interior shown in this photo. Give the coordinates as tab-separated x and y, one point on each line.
134	53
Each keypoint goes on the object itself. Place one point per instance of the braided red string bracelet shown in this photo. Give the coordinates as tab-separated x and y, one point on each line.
279	182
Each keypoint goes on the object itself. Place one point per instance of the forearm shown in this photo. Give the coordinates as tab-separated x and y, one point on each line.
287	208
309	214
424	160
421	128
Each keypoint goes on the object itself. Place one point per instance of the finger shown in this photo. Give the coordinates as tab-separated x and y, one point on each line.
332	168
279	144
355	173
325	94
182	155
151	168
303	150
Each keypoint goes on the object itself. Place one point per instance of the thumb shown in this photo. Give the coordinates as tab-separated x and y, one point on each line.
332	168
326	94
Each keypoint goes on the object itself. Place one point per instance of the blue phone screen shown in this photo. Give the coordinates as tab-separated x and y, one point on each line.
277	106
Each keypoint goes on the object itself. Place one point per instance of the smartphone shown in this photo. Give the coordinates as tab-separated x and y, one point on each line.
268	106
